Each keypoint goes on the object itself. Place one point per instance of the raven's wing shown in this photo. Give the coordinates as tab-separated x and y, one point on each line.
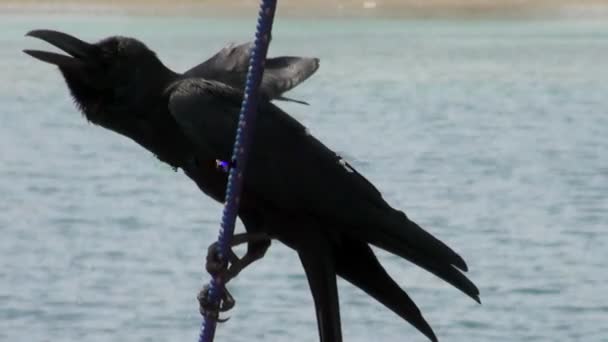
286	165
295	172
281	74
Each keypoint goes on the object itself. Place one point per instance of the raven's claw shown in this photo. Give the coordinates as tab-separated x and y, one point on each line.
212	309
225	268
215	265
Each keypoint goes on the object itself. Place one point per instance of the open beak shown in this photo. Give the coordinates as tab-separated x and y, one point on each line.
80	52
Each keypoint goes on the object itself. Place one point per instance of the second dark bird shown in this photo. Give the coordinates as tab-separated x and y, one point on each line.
296	189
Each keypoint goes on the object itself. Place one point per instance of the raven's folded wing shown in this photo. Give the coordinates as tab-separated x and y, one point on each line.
296	173
286	165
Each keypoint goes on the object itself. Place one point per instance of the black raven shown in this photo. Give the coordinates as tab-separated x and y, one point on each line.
296	189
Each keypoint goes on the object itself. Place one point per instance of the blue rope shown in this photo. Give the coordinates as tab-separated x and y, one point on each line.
239	152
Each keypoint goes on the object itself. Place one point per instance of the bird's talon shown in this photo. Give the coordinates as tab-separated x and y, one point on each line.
222	320
205	304
214	264
211	309
228	302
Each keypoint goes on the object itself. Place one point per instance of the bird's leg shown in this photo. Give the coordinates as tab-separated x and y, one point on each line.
258	244
228	268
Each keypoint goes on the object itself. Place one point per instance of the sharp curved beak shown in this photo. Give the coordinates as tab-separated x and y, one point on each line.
79	51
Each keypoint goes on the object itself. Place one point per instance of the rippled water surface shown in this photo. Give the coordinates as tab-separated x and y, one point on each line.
493	135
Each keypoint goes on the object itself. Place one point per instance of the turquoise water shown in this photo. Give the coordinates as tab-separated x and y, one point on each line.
492	134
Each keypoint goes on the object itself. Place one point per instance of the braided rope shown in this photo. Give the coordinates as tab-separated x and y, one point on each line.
239	152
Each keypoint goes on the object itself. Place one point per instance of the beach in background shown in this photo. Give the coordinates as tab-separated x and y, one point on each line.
329	8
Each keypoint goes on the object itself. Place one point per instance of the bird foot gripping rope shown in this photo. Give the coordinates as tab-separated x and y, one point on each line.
214	295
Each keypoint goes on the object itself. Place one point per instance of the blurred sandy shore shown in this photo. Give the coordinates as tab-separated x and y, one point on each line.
320	8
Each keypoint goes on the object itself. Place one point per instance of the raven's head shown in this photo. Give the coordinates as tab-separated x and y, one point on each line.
109	80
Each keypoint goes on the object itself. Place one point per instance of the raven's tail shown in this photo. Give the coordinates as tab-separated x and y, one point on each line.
317	258
400	236
356	263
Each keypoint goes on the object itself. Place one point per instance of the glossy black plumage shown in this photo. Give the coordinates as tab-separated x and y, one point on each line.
296	189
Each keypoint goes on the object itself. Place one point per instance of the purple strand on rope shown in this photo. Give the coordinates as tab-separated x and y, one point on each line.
241	146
